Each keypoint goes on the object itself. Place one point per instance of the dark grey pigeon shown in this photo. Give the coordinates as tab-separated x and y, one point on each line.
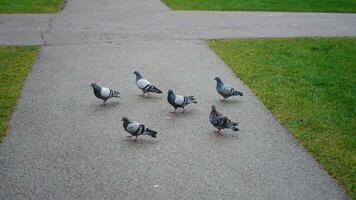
145	85
225	91
219	121
104	93
178	101
136	129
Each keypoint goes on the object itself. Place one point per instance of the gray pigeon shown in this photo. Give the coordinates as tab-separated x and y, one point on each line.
145	85
178	101
136	129
104	93
218	120
225	91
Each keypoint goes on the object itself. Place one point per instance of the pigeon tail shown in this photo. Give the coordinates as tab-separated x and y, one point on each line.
150	132
237	93
116	94
154	90
192	99
234	126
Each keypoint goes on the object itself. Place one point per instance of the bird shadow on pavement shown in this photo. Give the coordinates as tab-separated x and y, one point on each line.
150	96
178	113
107	106
140	142
226	135
228	102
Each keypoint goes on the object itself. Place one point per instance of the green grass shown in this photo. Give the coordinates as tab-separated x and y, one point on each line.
265	5
30	6
309	84
15	63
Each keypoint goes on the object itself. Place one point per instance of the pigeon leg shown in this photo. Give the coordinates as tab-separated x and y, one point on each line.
135	138
129	136
223	99
217	132
183	109
104	103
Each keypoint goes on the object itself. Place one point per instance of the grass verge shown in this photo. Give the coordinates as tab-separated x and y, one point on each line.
15	63
30	6
265	5
309	84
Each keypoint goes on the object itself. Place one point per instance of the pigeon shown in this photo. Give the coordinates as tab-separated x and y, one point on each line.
145	85
178	101
218	120
225	91
104	93
136	129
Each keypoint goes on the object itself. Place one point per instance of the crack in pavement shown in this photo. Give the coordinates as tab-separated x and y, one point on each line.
43	34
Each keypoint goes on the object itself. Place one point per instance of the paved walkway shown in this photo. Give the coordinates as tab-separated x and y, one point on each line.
63	145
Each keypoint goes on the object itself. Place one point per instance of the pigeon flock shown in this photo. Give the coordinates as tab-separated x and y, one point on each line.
217	119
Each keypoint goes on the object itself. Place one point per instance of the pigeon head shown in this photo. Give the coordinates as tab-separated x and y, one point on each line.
138	75
125	120
93	85
170	92
217	79
213	108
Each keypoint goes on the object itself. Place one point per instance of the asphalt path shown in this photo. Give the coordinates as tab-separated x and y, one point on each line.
63	145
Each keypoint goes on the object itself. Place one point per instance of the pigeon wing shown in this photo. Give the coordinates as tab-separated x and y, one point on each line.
143	84
216	118
225	90
179	100
133	127
105	92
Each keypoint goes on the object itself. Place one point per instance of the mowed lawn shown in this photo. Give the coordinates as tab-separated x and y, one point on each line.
265	5
15	63
309	84
30	6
